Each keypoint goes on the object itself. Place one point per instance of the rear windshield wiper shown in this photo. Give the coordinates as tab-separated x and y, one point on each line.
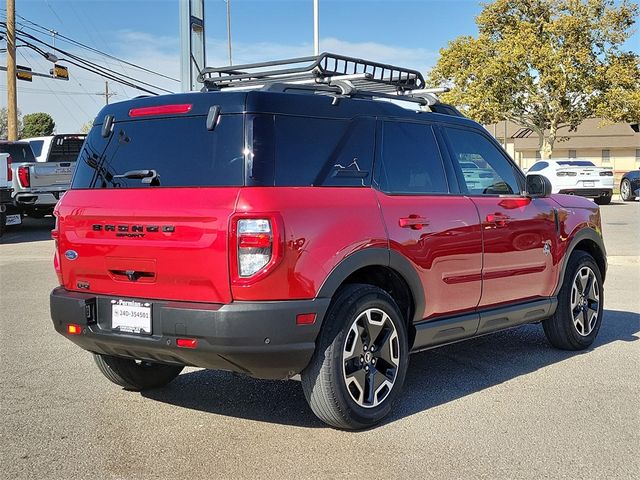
148	176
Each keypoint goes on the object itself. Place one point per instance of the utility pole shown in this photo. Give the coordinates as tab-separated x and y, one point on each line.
316	28
106	94
12	94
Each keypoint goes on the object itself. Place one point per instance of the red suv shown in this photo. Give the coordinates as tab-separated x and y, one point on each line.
290	222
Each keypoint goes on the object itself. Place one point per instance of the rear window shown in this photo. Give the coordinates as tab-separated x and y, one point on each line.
181	150
36	146
65	149
576	163
20	152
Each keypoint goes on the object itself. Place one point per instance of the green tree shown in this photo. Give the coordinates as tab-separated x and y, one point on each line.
4	128
545	64
37	125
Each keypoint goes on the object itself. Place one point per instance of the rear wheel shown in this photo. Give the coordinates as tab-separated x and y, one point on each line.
360	361
578	316
606	200
136	375
3	222
625	190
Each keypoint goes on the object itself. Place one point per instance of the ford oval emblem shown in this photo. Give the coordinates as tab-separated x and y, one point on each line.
71	254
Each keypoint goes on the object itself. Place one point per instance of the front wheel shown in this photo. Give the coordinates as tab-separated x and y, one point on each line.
577	319
625	191
136	375
360	361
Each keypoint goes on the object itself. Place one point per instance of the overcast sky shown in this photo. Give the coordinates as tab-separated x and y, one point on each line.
146	32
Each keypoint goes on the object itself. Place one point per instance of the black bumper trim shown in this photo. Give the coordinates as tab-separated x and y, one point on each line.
588	192
260	339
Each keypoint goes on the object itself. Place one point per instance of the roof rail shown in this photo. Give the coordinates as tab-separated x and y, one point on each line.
324	68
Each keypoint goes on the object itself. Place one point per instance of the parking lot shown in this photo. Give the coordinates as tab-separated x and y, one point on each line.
502	406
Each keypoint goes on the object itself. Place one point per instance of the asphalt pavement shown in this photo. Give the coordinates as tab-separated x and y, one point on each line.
505	405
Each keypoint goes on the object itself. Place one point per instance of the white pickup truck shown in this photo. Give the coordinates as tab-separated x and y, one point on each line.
38	185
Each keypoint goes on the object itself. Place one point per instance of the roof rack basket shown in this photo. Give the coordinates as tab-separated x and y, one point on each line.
325	68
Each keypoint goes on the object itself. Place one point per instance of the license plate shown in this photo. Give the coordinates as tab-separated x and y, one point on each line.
129	316
589	184
13	219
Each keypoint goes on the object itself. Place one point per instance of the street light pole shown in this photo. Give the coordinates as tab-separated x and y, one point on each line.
12	94
229	30
316	28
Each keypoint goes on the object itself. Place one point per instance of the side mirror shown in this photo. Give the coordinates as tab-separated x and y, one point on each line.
538	186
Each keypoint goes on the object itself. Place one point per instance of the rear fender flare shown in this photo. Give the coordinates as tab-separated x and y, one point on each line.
377	257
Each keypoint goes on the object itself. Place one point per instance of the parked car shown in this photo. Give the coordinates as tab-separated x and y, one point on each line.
477	178
57	148
577	177
310	229
630	185
5	189
37	186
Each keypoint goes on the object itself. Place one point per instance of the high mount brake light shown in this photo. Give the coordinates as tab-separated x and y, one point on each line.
161	110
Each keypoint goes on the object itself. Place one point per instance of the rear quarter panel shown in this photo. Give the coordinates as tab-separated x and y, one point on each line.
322	226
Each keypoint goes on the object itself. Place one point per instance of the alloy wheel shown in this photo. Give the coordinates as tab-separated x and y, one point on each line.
625	189
585	301
371	357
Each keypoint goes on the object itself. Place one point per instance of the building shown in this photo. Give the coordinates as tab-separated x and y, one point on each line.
608	145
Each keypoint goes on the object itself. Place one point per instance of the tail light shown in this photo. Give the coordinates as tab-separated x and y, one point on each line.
55	235
606	173
9	171
257	248
23	177
567	174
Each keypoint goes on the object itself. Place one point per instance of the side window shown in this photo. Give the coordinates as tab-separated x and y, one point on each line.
494	174
312	151
410	161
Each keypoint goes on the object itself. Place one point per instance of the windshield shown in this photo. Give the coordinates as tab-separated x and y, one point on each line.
576	163
181	152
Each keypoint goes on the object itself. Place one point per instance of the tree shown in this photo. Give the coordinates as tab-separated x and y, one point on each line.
86	126
4	127
37	125
545	64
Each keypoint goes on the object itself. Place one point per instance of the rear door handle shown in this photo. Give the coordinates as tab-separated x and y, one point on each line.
414	222
498	219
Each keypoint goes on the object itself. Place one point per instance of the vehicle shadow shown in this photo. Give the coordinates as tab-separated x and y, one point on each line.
435	377
31	230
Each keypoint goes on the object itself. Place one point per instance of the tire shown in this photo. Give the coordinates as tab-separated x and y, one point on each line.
3	223
576	323
603	200
625	191
136	376
333	380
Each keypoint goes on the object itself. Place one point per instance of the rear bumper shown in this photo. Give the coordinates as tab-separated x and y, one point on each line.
259	339
37	199
588	192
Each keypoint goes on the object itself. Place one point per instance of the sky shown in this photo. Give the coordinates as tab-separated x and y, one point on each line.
146	32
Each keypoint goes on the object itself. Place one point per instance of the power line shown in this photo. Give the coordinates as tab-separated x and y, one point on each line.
90	66
47	31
